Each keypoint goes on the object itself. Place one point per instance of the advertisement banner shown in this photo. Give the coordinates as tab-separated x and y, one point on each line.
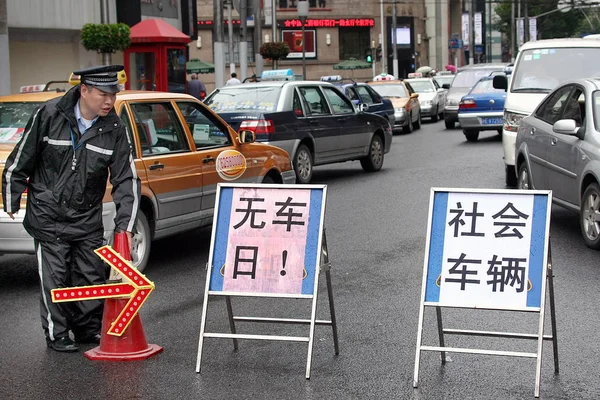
465	29
294	39
477	29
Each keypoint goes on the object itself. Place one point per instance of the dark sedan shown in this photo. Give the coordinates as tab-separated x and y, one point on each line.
313	121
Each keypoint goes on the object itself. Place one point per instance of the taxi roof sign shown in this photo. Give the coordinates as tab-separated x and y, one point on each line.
332	78
278	75
415	75
384	77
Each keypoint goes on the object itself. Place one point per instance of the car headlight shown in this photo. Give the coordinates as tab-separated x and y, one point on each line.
426	102
512	120
400	110
452	102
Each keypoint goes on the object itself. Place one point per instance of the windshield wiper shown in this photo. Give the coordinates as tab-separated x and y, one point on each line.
533	89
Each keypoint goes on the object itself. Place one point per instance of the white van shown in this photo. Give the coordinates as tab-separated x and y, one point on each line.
540	67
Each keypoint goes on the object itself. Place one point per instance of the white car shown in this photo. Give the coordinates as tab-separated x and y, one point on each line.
431	96
540	67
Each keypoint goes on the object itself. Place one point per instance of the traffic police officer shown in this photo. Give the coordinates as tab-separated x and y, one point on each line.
63	159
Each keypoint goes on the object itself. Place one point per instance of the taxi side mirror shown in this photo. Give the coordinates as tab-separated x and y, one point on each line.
500	82
414	96
246	136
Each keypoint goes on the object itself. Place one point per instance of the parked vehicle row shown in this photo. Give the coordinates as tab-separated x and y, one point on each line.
182	150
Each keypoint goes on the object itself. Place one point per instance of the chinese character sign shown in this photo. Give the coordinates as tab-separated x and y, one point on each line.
487	249
266	240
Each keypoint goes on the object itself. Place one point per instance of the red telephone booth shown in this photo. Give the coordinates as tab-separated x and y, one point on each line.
156	58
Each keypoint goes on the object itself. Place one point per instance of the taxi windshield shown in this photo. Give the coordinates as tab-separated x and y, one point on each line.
241	97
541	70
391	90
422	86
13	119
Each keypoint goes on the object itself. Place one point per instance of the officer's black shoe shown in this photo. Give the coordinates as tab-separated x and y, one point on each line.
94	339
63	344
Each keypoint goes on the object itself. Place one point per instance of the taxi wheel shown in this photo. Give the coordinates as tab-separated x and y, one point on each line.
409	126
435	116
418	121
142	237
590	216
374	160
303	164
449	124
471	135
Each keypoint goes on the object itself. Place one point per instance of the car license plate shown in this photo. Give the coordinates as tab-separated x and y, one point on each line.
491	121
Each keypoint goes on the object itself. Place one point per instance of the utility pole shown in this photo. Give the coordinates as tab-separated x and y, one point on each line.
471	35
244	39
525	22
258	21
513	27
230	34
219	43
106	57
383	38
394	41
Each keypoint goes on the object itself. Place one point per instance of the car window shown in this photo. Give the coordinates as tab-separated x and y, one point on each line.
422	86
297	105
391	90
204	127
366	95
244	97
435	84
550	110
352	93
158	129
485	86
339	104
315	101
468	77
13	119
127	122
575	107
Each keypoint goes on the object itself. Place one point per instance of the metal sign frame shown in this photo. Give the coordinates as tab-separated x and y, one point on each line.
547	276
323	264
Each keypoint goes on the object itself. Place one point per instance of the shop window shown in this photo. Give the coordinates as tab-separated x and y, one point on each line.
354	42
236	45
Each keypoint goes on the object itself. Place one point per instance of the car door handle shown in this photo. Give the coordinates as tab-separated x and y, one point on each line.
532	131
208	160
313	122
341	119
553	141
156	166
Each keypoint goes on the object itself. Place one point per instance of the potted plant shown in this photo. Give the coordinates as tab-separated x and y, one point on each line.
106	39
275	51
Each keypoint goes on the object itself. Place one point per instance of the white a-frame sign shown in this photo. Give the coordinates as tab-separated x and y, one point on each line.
488	249
268	241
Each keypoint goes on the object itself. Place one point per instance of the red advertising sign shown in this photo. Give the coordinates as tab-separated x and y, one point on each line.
294	39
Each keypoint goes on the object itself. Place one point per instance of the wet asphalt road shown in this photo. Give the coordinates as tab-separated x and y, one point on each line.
376	226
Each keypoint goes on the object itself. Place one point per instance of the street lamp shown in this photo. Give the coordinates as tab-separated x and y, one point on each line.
303	13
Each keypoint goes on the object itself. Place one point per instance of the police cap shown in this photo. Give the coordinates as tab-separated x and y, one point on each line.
103	77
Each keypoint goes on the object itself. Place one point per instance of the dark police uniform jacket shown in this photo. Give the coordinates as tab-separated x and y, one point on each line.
64	197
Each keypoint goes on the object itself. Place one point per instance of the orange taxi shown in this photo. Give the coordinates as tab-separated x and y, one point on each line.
182	150
407	109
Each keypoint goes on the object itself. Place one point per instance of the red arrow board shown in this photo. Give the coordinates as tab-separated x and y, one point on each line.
138	289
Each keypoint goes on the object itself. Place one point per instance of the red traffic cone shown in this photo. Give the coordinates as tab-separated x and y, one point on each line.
132	344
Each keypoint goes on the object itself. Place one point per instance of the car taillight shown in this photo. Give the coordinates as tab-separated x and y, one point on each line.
260	127
466	104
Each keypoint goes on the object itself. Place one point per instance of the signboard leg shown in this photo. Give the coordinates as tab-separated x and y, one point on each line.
203	323
438	312
552	309
327	267
231	321
332	312
419	343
